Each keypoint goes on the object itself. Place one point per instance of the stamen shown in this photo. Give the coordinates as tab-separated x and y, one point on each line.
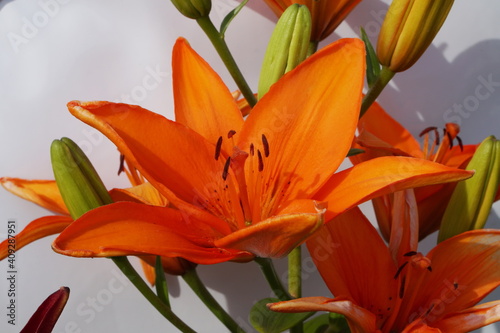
450	138
410	254
430	309
402	287
121	168
230	134
226	168
429	129
266	145
261	161
218	147
460	144
400	269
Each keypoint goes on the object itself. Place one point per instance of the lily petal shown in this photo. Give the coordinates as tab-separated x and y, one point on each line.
359	319
163	152
471	319
44	193
379	124
380	176
143	193
346	251
274	237
202	100
465	269
308	138
142	230
39	228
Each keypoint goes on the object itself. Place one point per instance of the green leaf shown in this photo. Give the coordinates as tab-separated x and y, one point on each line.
229	17
267	321
372	63
327	323
318	324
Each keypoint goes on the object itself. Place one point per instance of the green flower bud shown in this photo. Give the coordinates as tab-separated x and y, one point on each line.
194	9
472	199
287	47
80	186
408	29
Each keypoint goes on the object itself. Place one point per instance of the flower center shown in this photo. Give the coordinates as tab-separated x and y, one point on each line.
237	164
436	150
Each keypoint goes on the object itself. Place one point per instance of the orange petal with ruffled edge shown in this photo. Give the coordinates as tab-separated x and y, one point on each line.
39	228
381	176
202	100
274	237
177	161
44	193
465	269
360	320
471	319
308	118
127	228
346	251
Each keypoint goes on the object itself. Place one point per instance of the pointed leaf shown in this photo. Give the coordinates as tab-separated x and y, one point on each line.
229	17
372	63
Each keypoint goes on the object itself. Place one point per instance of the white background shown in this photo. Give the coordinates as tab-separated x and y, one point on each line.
103	50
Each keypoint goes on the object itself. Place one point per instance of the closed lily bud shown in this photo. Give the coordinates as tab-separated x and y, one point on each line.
193	9
472	199
287	47
408	29
80	186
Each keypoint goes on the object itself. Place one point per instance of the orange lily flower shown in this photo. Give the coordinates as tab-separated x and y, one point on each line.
45	193
241	188
381	135
326	14
380	291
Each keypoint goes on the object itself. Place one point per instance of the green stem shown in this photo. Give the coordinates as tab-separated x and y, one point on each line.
221	47
161	282
193	280
383	79
267	267
129	271
295	280
294	272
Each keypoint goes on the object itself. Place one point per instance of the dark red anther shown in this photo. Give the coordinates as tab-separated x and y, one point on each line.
429	129
460	144
402	287
218	147
230	134
226	168
410	254
266	145
450	138
121	168
261	161
400	269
